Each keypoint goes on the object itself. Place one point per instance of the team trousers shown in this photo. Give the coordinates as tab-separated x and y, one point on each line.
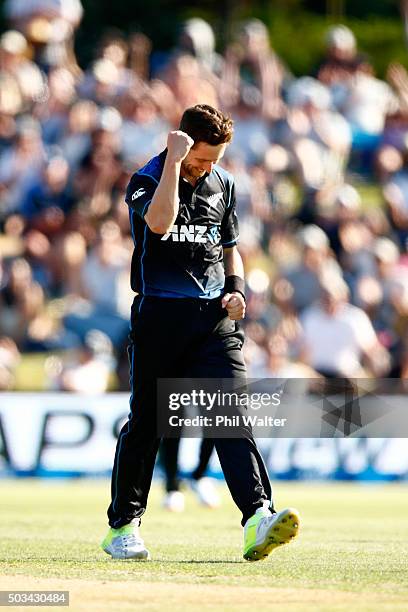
180	338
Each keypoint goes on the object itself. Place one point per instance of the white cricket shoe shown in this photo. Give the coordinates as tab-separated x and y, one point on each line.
206	492
126	543
264	532
174	501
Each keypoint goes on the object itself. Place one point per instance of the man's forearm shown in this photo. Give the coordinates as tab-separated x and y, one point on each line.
234	290
233	264
164	206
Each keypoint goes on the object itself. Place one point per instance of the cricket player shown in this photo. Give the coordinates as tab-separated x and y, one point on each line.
189	280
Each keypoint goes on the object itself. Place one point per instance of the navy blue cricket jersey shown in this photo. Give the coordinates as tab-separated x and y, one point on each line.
188	260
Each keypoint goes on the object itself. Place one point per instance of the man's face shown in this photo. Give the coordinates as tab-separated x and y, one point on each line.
200	160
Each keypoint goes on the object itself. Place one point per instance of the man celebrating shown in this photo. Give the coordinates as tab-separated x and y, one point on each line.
188	276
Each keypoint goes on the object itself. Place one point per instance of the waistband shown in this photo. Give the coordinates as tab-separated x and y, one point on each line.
193	303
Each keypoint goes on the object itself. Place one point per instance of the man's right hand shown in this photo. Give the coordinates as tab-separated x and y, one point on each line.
178	145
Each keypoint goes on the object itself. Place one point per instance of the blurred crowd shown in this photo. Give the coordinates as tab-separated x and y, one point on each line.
326	266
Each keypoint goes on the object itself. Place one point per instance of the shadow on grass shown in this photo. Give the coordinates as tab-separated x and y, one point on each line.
199	561
106	561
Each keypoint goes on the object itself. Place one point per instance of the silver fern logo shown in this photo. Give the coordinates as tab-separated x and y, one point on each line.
215	198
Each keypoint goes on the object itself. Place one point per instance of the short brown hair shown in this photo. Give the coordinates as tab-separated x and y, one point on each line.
203	123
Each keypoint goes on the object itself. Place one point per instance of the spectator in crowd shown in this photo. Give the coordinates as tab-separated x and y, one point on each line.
49	25
100	171
252	135
20	12
75	142
28	77
9	359
280	364
251	64
395	191
20	164
89	369
341	57
319	136
53	112
104	287
339	337
142	129
197	38
184	77
365	103
49	198
315	260
14	304
397	77
140	47
363	100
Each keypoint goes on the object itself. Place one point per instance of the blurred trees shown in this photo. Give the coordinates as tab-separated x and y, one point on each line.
297	27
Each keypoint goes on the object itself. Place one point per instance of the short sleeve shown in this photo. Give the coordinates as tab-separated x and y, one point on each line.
140	192
229	224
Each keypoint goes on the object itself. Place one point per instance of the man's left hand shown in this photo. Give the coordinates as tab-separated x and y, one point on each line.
235	304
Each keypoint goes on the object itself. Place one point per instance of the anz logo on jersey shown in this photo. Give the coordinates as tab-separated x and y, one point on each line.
193	233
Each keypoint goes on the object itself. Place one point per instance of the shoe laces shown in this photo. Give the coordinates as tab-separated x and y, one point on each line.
130	539
263	524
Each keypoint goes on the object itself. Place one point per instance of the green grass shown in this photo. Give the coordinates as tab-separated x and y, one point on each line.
351	553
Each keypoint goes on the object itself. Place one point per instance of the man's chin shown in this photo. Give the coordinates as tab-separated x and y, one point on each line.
193	175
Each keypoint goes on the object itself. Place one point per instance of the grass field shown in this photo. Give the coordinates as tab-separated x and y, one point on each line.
352	553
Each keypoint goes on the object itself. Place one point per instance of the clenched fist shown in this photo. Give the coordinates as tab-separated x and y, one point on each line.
235	304
178	145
